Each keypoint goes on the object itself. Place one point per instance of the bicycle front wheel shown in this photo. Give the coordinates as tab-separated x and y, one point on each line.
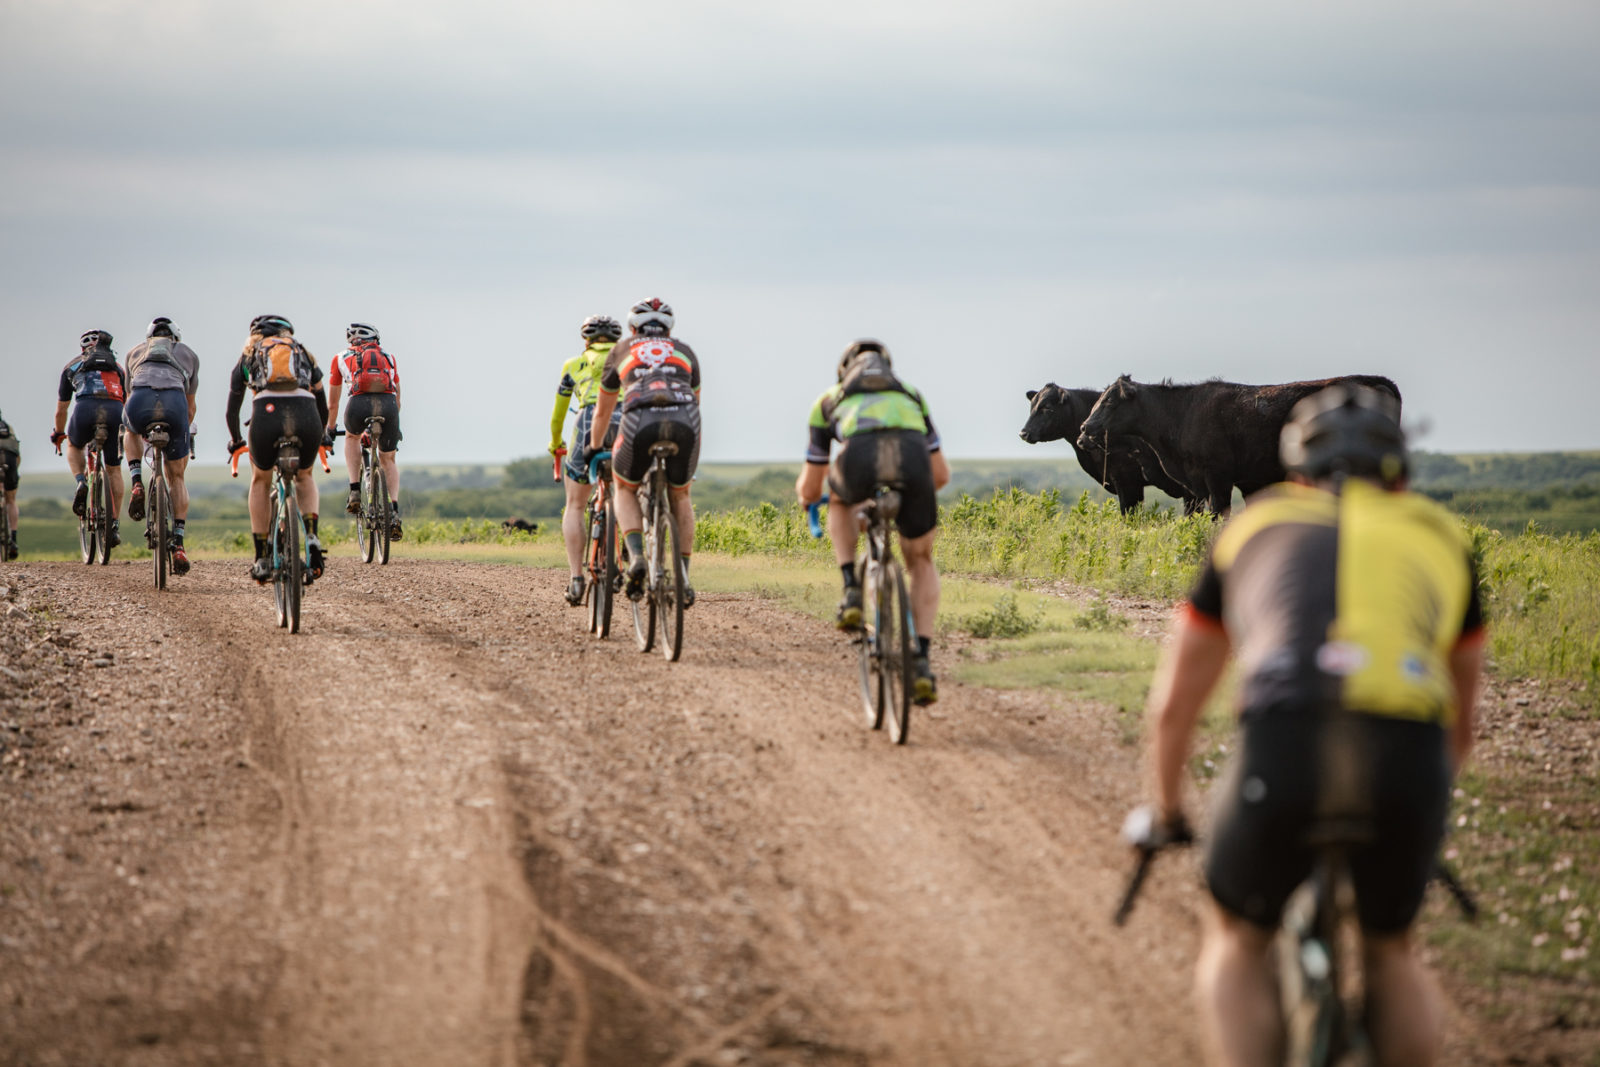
366	533
295	579
381	510
896	650
158	516
867	646
644	609
606	586
105	517
669	591
86	525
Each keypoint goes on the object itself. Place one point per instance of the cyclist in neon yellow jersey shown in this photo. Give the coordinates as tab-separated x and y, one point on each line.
580	387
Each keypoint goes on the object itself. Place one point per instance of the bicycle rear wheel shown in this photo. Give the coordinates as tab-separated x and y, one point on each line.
644	609
366	534
605	589
867	645
158	516
669	591
896	650
86	525
106	516
381	510
295	582
279	532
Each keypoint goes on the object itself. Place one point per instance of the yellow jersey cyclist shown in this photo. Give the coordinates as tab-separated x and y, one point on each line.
657	378
888	436
94	387
374	390
163	374
1352	607
289	401
580	388
10	459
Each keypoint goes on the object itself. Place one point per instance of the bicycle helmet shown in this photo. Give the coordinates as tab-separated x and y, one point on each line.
360	333
866	344
601	328
163	327
650	316
1345	430
94	339
270	325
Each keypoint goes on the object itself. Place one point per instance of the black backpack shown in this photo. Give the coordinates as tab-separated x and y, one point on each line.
870	373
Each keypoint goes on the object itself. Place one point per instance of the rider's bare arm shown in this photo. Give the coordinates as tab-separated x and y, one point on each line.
602	420
940	468
62	407
1188	673
808	487
1466	668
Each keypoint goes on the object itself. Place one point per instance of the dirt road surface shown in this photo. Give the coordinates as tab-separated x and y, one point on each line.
444	826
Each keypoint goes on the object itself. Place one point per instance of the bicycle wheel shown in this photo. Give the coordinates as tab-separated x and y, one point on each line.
670	586
897	657
381	510
606	584
295	580
86	524
644	609
279	548
365	533
105	518
867	645
158	518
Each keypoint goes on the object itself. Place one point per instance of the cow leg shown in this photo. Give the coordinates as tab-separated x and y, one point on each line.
1128	499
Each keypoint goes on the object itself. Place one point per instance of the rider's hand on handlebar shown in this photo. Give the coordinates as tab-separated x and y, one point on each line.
1146	830
327	438
56	437
234	446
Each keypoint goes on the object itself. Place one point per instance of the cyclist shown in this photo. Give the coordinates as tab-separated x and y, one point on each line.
289	401
580	384
10	459
887	435
1350	601
163	374
98	383
658	379
374	390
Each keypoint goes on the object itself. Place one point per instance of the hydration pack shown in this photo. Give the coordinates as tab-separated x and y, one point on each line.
97	375
8	439
164	350
870	373
278	364
374	370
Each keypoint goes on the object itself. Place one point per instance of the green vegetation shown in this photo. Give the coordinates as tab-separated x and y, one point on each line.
1542	596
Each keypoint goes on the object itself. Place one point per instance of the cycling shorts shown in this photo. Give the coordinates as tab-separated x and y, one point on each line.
160	405
578	456
90	412
898	457
8	472
364	405
644	427
1279	781
276	416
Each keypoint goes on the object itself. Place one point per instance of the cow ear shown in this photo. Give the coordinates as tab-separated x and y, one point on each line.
1031	394
1127	387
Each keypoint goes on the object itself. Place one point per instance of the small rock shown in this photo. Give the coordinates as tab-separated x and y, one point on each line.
101	662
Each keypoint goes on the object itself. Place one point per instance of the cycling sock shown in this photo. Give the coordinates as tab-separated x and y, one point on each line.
133	469
261	544
394	507
922	645
81	478
685	558
848	570
177	530
635	542
355	487
311	523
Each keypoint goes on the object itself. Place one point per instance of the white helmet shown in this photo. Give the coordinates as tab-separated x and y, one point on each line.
360	333
163	327
648	313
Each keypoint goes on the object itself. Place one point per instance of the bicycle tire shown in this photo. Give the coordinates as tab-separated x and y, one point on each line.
5	528
106	517
277	531
158	516
670	590
381	485
365	533
295	582
644	609
86	523
898	661
605	589
867	645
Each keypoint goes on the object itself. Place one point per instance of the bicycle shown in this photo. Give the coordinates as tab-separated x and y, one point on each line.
291	563
888	635
94	525
158	515
1322	1029
5	512
665	576
600	547
376	518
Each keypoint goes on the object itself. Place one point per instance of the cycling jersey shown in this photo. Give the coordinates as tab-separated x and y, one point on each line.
652	372
836	416
8	439
347	367
580	385
1351	601
250	372
93	374
162	363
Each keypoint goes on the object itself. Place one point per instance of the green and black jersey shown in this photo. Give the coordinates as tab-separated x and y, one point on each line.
836	416
1351	600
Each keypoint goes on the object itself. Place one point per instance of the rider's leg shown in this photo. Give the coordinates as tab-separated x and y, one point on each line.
133	448
1404	1009
177	488
352	457
572	522
74	459
683	511
1237	993
305	490
260	510
924	579
391	473
845	530
11	510
114	476
630	524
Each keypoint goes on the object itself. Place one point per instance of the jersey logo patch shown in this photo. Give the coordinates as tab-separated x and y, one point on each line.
1342	658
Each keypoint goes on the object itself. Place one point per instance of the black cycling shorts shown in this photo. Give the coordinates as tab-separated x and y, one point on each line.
92	411
1280	780
160	405
364	405
579	454
272	417
643	427
898	457
8	471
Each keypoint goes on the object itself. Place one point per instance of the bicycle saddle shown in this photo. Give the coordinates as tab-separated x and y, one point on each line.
664	448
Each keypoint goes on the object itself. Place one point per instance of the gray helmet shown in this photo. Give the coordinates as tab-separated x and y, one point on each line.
1345	430
866	344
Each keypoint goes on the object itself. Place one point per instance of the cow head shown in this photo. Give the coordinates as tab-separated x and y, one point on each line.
1113	415
1051	415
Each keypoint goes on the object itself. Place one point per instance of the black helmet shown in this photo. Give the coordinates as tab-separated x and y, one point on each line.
866	344
1345	430
270	325
163	327
602	327
94	339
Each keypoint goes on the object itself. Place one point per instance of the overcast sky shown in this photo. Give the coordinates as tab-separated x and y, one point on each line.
1006	193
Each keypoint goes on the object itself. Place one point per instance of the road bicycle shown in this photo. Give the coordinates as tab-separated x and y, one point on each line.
888	635
375	521
1323	1023
286	541
94	525
158	514
5	512
664	577
600	547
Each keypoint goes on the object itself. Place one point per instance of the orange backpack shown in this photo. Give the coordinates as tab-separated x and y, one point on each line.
278	364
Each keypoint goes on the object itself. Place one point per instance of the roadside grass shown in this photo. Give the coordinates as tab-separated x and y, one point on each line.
1542	595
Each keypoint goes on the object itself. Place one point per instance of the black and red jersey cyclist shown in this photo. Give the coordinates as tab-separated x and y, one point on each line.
374	390
100	387
289	401
657	378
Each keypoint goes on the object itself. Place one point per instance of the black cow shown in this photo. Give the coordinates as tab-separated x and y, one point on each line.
1057	414
1210	436
521	524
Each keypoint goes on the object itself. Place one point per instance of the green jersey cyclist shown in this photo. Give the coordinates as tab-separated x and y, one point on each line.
580	387
888	436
